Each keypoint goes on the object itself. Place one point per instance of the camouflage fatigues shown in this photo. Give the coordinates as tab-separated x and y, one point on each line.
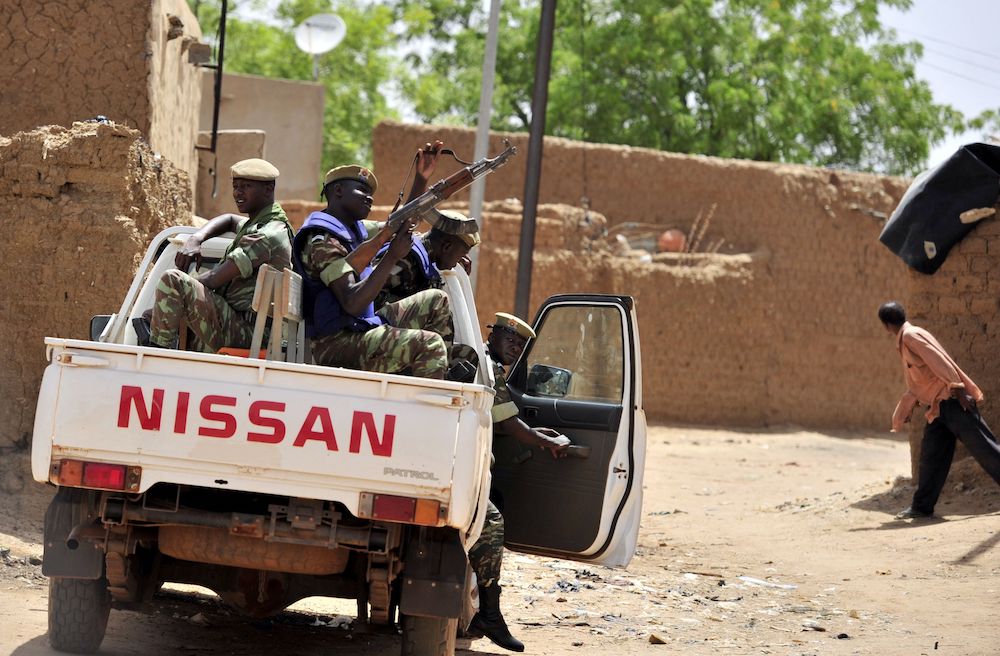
411	339
223	317
407	278
486	555
503	405
417	332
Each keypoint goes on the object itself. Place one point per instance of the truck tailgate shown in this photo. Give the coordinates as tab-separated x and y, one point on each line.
262	426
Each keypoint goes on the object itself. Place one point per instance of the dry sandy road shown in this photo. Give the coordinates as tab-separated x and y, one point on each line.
752	543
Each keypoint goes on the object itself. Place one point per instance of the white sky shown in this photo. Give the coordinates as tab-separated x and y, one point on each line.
961	56
961	59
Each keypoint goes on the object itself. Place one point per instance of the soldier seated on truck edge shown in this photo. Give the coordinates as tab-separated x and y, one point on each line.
216	304
330	252
446	245
506	341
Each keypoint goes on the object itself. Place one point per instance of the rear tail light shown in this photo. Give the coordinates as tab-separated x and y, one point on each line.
98	475
410	510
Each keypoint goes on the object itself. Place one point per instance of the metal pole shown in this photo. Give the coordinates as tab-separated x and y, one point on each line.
220	56
478	190
533	174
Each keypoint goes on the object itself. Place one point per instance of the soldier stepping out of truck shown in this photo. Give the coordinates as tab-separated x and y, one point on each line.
333	254
215	305
506	341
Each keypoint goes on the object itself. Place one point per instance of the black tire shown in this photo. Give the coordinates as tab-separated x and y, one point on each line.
78	614
428	636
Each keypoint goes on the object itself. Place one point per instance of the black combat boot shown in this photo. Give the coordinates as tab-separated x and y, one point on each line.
489	621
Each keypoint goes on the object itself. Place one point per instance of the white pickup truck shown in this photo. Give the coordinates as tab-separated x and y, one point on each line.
269	481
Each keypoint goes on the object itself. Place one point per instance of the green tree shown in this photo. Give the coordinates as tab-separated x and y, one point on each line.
820	82
988	123
355	74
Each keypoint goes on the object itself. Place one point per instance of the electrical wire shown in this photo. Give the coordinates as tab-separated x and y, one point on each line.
991	55
964	77
963	61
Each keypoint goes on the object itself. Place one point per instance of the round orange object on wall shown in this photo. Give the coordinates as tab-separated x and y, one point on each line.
671	241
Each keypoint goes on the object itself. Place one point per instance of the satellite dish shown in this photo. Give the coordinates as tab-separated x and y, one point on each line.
320	33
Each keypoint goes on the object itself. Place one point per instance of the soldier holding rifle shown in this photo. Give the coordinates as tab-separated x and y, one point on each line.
333	253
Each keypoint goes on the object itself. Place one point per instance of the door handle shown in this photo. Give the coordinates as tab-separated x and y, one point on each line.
530	412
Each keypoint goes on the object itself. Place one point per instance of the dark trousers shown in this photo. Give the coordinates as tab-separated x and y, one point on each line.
938	447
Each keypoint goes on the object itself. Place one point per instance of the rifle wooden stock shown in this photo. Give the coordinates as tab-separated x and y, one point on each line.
456	182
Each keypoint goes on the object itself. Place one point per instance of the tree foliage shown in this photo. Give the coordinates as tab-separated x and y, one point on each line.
355	73
812	81
820	82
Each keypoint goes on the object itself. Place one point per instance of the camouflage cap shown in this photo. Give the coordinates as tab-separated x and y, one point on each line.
352	172
514	324
254	169
455	223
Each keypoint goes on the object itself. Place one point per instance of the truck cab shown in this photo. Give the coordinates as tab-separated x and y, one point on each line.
272	479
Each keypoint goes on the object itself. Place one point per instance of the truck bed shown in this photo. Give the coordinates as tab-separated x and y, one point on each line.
263	426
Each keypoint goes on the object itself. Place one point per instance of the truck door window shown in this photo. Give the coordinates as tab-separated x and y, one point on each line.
578	355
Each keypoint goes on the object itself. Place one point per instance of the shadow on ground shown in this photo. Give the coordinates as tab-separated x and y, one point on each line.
969	491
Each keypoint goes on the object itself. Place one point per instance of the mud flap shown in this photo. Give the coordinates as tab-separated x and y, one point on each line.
68	509
434	574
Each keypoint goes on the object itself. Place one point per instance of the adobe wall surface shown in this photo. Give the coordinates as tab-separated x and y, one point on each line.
777	327
291	115
80	205
75	59
960	306
174	84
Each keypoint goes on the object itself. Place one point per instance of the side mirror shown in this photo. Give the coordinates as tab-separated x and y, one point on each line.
97	325
544	380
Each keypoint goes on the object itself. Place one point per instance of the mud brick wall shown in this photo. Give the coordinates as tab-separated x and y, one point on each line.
71	60
777	328
80	205
960	304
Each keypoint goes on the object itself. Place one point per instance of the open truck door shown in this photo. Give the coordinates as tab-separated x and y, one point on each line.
581	376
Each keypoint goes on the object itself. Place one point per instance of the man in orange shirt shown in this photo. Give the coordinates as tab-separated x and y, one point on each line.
934	380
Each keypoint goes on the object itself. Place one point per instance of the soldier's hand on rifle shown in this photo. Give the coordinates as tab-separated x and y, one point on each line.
189	252
401	243
427	158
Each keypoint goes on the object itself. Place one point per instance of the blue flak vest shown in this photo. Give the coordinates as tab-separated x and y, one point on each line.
322	311
427	268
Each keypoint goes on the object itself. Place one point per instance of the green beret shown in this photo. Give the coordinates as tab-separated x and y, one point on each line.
455	223
514	324
352	172
254	169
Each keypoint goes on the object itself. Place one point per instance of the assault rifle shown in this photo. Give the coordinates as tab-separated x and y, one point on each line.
421	206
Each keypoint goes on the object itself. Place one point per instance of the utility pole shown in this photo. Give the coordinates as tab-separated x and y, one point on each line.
533	174
478	190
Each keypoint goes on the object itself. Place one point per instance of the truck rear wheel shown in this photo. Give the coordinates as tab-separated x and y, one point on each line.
78	614
428	636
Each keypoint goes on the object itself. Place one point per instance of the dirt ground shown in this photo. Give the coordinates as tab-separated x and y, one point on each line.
752	543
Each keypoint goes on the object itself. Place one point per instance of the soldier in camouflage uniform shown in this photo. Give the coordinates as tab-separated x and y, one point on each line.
505	343
215	304
408	336
448	243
